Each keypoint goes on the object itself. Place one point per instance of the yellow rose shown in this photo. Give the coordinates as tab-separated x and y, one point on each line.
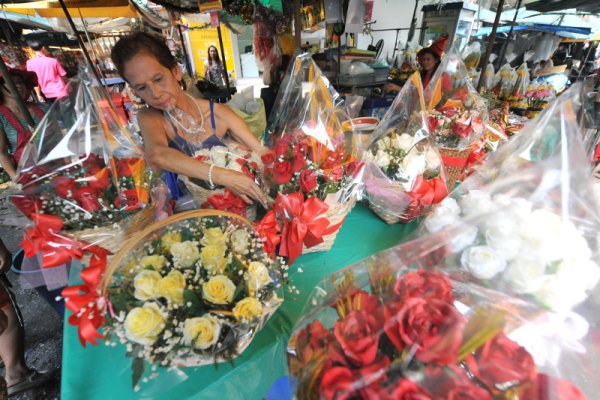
171	287
144	324
130	268
248	309
213	259
213	237
185	253
145	284
257	276
156	262
169	238
218	290
201	332
240	240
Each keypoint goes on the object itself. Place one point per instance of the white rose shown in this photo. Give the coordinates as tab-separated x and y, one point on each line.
240	240
525	274
382	159
433	158
557	295
476	202
446	213
403	142
414	163
545	234
501	235
583	274
219	155
145	285
380	145
201	332
575	245
482	261
519	209
257	277
465	238
185	253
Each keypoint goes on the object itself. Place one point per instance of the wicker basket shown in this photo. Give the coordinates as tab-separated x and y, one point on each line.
202	194
336	215
455	168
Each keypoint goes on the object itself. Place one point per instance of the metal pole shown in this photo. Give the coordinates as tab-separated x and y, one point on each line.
491	40
585	61
85	52
185	53
224	63
13	90
297	25
503	51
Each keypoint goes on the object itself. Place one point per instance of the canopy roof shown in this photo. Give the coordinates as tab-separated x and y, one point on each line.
77	8
590	6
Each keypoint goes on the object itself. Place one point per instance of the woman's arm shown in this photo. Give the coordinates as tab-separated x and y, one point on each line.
160	155
242	134
6	161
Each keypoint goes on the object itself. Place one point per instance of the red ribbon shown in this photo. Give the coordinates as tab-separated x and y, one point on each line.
268	228
304	223
425	193
84	301
227	201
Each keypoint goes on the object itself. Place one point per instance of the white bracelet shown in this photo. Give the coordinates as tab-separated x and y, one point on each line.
210	175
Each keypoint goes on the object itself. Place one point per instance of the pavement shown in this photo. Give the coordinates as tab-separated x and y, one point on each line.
43	328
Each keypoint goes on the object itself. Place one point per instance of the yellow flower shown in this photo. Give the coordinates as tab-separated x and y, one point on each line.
213	259
218	290
130	268
248	309
169	238
257	276
240	240
144	324
156	262
201	332
214	237
185	253
171	287
146	285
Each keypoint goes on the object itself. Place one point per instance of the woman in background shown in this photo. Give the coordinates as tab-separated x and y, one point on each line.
214	70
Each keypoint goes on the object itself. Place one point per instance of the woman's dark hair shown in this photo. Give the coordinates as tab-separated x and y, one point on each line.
141	42
218	60
432	52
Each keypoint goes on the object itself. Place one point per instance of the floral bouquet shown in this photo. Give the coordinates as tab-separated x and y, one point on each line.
456	115
519	88
537	96
231	157
403	172
504	82
312	158
378	330
190	290
471	56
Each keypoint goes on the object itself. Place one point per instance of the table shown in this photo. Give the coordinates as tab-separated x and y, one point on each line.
101	372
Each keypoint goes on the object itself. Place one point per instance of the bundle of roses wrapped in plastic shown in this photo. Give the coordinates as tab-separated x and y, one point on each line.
190	290
526	223
312	171
456	115
403	170
379	330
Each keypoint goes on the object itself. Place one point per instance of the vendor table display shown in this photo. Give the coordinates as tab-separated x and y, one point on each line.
103	372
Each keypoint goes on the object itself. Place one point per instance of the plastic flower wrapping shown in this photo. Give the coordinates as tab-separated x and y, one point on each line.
519	88
403	170
191	290
456	115
526	223
313	171
386	329
471	55
504	82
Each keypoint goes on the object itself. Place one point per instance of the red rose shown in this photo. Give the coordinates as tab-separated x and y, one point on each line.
100	180
431	328
312	338
338	383
354	168
432	122
403	389
452	383
88	199
281	151
128	200
362	300
337	174
502	363
64	186
27	204
268	158
358	334
282	173
550	388
424	284
308	180
91	161
468	392
299	162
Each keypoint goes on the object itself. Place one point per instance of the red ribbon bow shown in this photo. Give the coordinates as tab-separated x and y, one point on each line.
304	223
425	193
87	306
268	228
227	201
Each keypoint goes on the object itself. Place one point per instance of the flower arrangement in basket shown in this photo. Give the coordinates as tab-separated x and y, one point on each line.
403	172
311	160
519	88
191	290
231	157
415	335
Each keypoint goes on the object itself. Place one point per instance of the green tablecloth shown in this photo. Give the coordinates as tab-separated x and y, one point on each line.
101	372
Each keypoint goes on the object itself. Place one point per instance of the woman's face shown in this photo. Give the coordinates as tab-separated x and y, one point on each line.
212	52
428	61
154	83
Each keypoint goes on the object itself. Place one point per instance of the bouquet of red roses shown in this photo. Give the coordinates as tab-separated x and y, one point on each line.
380	331
312	160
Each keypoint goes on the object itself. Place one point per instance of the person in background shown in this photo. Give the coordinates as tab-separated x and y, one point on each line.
50	73
430	58
214	71
14	129
18	375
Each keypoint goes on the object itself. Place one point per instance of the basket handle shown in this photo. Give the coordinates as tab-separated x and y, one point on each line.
133	241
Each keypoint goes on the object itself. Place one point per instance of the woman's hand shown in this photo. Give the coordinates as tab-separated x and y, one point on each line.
240	185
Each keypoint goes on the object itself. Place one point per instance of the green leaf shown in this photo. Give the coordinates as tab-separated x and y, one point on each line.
240	289
197	308
236	266
137	370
